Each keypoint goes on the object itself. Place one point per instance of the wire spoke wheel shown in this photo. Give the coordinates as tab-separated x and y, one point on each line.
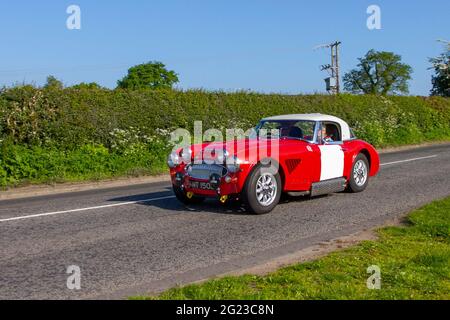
266	189
360	173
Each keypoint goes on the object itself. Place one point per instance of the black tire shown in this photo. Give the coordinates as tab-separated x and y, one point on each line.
182	197
355	186
249	197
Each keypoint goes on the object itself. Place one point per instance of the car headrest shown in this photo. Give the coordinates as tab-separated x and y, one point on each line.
332	131
296	132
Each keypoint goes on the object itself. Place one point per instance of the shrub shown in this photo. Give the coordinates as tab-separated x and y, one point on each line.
85	132
71	117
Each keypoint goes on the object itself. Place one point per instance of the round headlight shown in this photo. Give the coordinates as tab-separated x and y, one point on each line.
222	156
233	164
173	160
186	155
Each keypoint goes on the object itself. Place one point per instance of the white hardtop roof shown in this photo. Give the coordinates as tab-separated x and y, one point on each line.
306	116
315	117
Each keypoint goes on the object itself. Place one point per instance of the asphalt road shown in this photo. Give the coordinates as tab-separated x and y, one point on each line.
126	247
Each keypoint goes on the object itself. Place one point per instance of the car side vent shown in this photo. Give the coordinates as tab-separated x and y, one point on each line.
292	164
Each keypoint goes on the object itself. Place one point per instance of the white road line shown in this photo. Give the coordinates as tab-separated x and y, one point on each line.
408	160
150	200
83	209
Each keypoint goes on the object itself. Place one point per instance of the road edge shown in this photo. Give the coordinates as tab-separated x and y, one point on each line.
311	252
61	188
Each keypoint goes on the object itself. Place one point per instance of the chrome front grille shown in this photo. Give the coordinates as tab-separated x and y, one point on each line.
204	171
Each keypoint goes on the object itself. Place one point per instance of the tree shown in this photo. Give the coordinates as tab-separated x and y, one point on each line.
53	83
379	72
84	85
441	78
152	75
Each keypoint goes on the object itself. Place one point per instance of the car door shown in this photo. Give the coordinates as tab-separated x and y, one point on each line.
300	158
331	153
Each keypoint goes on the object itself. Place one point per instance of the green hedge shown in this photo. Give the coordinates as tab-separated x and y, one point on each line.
24	165
131	126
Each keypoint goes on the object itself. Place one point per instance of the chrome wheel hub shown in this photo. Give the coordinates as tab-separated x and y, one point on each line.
360	173
266	189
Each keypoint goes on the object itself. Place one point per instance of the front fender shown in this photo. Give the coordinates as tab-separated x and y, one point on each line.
354	148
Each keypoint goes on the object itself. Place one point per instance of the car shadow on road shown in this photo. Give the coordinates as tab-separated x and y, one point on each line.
172	204
210	205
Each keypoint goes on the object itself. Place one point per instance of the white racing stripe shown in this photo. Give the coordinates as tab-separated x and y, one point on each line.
408	160
84	209
332	162
149	200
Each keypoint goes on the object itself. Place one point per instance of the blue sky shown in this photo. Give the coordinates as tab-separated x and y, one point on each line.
257	45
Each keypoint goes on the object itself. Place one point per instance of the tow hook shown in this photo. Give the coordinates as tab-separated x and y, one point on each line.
223	199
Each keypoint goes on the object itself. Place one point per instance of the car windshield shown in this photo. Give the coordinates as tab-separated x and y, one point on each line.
286	129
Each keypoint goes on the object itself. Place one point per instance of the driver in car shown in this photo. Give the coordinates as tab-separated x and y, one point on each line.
327	137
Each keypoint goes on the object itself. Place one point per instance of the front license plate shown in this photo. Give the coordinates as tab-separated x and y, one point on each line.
201	185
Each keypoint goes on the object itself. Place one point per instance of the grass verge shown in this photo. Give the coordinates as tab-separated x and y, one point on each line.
414	260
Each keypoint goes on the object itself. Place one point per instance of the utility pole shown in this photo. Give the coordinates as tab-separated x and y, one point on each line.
333	82
337	73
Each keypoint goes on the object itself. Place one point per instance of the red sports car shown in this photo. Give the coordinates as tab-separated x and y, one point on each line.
299	154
